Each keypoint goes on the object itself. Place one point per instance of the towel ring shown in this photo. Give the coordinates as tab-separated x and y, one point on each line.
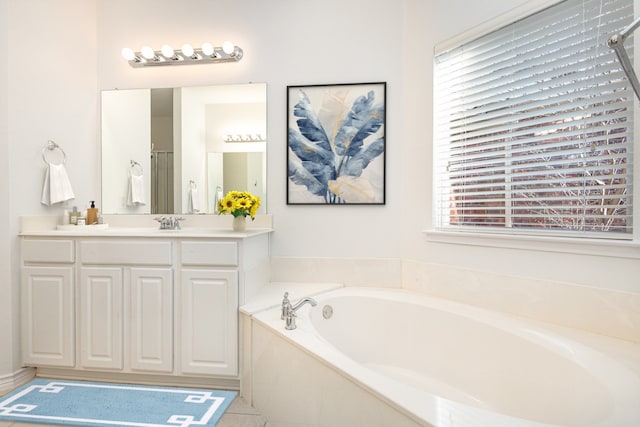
133	166
51	145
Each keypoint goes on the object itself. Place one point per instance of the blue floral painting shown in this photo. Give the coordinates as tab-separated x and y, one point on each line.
336	144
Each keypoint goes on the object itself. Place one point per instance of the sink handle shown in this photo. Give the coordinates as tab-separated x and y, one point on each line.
176	223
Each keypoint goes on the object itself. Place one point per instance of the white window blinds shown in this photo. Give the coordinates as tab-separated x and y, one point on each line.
534	126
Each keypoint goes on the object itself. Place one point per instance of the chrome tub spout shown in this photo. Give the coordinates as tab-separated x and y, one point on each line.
289	311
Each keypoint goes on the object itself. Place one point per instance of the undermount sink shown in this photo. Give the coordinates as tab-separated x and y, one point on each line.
73	227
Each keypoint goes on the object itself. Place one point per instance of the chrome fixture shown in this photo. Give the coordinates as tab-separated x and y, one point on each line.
616	42
50	147
257	137
169	223
289	311
207	54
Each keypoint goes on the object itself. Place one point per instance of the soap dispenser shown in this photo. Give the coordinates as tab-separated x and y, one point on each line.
92	214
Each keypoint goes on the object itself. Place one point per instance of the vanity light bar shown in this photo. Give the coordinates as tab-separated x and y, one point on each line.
207	54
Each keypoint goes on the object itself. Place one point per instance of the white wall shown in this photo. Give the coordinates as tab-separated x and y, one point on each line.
51	95
8	294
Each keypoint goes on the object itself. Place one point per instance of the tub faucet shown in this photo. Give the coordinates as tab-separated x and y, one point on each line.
289	311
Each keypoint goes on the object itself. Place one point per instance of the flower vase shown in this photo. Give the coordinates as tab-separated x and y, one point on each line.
239	223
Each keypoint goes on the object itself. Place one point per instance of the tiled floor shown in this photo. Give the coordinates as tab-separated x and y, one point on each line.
239	414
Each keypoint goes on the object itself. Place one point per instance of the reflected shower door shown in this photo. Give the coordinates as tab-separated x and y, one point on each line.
162	182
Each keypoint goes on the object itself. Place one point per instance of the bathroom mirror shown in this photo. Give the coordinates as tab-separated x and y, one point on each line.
177	150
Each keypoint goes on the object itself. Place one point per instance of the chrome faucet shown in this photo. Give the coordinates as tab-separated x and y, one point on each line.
169	223
289	311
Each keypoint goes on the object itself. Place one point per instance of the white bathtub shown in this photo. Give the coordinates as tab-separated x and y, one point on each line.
440	364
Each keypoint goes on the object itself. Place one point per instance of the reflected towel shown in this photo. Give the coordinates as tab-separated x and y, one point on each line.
194	201
218	196
57	187
135	193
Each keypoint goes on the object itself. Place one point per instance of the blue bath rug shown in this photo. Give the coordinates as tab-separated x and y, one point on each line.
79	403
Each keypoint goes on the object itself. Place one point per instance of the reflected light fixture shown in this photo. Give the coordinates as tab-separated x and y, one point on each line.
207	54
257	137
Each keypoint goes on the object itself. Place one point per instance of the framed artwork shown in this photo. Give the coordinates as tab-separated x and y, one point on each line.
336	144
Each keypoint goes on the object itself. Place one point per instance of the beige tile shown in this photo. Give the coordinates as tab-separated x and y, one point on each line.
240	406
384	272
602	311
240	420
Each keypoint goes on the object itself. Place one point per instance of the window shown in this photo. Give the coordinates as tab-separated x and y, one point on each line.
534	126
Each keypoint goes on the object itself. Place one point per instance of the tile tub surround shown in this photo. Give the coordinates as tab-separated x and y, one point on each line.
382	272
602	311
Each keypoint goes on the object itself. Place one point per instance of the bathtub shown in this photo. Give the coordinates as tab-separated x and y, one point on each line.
432	362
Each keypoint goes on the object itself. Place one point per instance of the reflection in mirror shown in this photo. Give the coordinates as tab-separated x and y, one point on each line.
178	150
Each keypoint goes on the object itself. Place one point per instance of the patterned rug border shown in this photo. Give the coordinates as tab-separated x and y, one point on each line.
129	405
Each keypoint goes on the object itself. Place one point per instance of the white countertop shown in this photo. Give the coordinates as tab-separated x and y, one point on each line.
91	231
193	226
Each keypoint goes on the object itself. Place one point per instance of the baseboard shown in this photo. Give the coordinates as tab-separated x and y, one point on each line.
145	379
16	379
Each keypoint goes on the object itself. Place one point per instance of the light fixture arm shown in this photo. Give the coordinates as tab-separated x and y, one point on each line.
616	42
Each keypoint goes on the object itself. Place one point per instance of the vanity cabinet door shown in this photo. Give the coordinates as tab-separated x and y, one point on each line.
209	322
151	319
101	323
48	330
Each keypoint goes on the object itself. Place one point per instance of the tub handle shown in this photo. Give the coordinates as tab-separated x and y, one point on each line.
285	304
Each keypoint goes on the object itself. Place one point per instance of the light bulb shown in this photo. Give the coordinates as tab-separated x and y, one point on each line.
228	47
187	50
147	52
207	48
128	54
167	51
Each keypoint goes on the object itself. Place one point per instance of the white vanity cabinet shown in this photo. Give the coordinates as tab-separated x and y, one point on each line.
208	308
125	295
100	325
47	302
145	318
112	304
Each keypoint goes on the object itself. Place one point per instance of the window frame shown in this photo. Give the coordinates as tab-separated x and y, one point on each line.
596	243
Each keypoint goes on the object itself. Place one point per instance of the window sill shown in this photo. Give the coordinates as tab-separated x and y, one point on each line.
581	246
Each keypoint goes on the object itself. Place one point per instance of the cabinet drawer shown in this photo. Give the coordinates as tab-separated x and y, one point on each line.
209	253
48	251
144	252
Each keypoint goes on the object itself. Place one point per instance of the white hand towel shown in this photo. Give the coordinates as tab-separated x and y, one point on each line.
57	187
135	193
194	200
